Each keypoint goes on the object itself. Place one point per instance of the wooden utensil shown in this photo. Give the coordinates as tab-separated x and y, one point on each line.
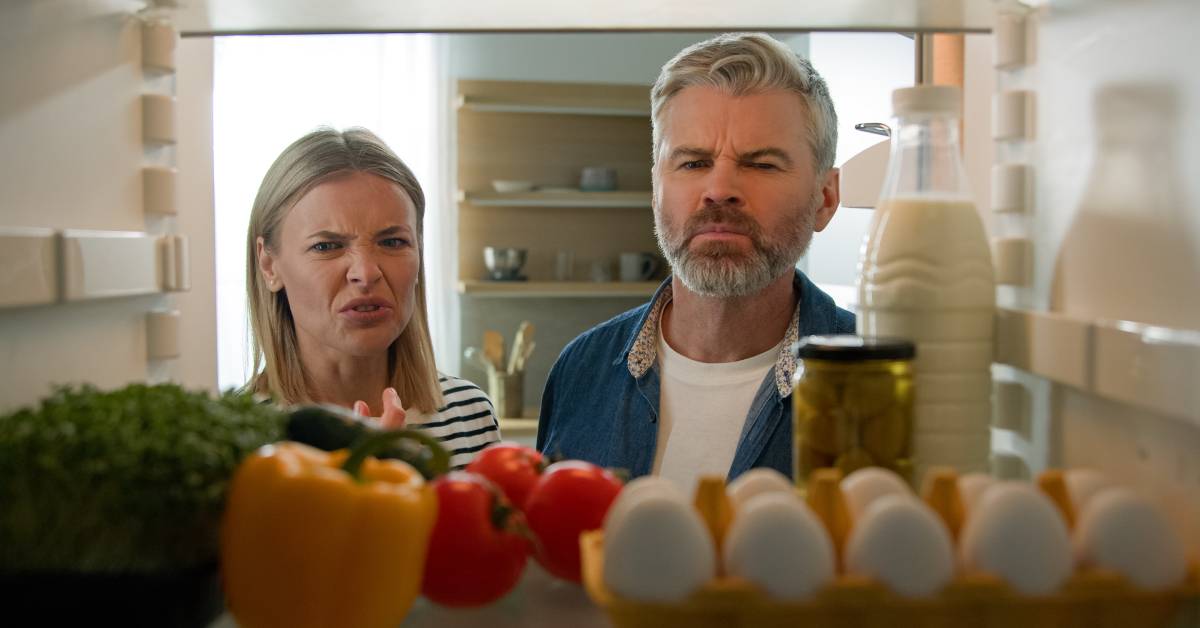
523	337
526	351
493	348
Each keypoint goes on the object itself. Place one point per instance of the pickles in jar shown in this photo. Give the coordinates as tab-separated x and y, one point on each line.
885	436
852	404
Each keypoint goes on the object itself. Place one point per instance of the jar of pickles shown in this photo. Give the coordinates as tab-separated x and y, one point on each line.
852	402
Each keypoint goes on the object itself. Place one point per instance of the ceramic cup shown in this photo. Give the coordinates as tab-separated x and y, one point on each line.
638	266
564	265
598	179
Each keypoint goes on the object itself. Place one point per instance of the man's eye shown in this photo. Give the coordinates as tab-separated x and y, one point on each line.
394	243
693	165
324	247
763	166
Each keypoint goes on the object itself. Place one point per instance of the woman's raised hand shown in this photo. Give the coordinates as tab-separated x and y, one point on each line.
393	411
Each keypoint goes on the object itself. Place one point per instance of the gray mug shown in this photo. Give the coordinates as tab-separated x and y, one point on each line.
598	179
638	266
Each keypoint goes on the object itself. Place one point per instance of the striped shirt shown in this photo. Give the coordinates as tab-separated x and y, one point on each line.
465	424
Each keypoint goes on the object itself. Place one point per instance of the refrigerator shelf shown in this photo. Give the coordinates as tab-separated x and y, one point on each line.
1143	365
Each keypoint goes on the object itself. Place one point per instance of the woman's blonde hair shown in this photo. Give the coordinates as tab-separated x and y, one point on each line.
748	63
317	157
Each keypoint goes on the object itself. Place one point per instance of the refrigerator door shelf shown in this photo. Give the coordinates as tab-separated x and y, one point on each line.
28	267
102	264
1142	365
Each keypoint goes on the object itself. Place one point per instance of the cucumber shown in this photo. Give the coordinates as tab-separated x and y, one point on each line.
330	428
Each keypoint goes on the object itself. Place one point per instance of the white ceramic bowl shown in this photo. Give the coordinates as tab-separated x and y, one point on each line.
504	185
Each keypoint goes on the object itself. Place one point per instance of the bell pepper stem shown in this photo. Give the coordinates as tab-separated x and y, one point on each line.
376	442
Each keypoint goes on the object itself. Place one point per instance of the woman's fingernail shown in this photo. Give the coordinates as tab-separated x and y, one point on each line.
395	396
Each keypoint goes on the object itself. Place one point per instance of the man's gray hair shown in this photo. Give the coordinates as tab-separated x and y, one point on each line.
749	63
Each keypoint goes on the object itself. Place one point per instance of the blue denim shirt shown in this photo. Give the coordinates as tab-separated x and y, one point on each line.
601	404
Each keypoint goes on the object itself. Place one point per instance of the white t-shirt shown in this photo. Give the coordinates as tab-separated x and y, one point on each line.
702	409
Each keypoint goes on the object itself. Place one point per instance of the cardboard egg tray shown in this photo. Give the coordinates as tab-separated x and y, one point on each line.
1088	599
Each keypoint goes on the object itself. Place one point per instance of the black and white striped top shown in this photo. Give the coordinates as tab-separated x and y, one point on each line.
465	424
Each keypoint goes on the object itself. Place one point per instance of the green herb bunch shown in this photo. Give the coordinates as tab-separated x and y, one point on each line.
127	481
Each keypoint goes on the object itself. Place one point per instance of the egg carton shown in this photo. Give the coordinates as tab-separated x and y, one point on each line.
1090	598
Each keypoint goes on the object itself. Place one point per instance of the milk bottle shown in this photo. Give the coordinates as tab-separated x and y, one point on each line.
925	273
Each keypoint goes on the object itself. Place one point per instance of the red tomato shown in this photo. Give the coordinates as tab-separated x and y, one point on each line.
514	468
475	553
570	498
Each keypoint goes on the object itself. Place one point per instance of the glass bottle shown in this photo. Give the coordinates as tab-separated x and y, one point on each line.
925	274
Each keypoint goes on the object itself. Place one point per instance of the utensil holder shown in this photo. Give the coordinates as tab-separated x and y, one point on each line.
507	391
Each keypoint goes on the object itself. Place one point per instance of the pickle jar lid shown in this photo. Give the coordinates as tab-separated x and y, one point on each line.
851	348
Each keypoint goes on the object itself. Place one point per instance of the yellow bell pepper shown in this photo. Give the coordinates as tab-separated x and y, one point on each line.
319	539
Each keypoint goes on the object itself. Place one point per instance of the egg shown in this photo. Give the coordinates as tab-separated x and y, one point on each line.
864	486
1016	532
658	550
971	488
1125	532
636	490
1082	484
755	482
903	543
778	543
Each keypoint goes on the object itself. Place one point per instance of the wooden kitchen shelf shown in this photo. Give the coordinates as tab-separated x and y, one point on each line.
627	109
606	200
568	289
550	102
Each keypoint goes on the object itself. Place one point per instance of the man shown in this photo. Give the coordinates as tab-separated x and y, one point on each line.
698	380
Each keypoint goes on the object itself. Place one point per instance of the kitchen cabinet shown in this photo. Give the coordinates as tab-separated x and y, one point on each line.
545	134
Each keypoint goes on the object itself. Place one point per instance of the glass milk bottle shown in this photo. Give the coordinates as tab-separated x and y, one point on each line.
925	273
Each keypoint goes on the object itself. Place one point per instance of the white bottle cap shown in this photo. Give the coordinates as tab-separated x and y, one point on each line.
944	99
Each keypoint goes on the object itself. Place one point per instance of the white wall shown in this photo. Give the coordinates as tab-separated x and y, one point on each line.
70	125
862	70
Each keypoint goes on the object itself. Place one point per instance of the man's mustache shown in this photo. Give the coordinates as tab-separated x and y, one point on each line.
721	214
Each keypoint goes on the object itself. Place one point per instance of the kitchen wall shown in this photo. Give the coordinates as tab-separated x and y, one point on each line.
634	58
841	58
70	125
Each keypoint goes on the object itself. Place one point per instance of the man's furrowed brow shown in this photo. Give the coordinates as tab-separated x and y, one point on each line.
770	151
690	152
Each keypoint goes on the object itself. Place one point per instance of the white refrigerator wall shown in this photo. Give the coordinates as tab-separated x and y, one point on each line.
70	124
1114	237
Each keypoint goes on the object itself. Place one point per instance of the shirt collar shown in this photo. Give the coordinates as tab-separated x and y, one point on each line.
644	350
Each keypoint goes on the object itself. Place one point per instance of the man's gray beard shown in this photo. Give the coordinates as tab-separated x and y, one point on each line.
723	271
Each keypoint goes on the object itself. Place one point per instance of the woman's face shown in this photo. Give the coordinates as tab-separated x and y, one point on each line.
348	261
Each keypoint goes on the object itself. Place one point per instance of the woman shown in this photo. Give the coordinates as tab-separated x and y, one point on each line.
337	300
